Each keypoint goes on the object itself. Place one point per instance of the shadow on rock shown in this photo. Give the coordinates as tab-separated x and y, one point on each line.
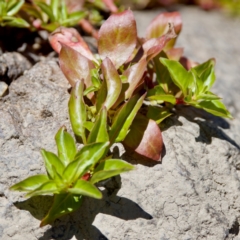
209	125
80	223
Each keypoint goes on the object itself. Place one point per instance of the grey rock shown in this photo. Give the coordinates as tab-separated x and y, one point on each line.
193	194
3	88
12	65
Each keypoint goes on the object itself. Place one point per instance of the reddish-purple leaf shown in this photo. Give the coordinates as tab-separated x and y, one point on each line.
154	46
114	83
187	63
174	53
71	38
159	26
118	37
75	66
134	75
145	138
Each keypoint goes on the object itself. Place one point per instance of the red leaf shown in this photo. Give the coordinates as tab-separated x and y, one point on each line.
145	138
118	37
71	38
75	66
134	75
114	83
187	63
174	53
154	46
159	26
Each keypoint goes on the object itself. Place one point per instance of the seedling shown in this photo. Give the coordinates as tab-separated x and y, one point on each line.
71	174
9	14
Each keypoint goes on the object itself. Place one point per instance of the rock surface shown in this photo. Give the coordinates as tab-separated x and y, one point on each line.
193	194
12	65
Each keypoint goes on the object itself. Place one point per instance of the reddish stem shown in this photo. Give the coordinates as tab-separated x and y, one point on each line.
179	101
86	176
88	28
111	6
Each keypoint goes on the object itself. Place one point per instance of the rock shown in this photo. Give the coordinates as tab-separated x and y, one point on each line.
193	194
12	65
3	88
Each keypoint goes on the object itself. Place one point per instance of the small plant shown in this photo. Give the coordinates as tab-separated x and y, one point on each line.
51	16
138	81
71	175
120	94
9	16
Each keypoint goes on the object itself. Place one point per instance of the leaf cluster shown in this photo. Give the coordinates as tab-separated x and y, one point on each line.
51	15
9	13
120	94
71	174
135	82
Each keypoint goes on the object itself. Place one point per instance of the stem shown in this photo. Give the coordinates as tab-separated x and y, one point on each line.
88	28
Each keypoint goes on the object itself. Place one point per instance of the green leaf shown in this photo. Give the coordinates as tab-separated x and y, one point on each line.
77	110
15	22
3	8
134	75
145	138
202	67
85	159
66	146
85	188
54	6
215	107
32	11
163	77
51	160
99	131
123	120
128	119
74	18
47	10
75	66
63	10
50	27
163	98
47	188
14	6
90	90
101	95
30	183
208	96
208	77
63	204
180	76
158	114
118	37
113	81
198	85
88	125
110	168
95	78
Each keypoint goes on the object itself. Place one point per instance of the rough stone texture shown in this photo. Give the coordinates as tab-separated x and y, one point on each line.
3	88
12	65
193	194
